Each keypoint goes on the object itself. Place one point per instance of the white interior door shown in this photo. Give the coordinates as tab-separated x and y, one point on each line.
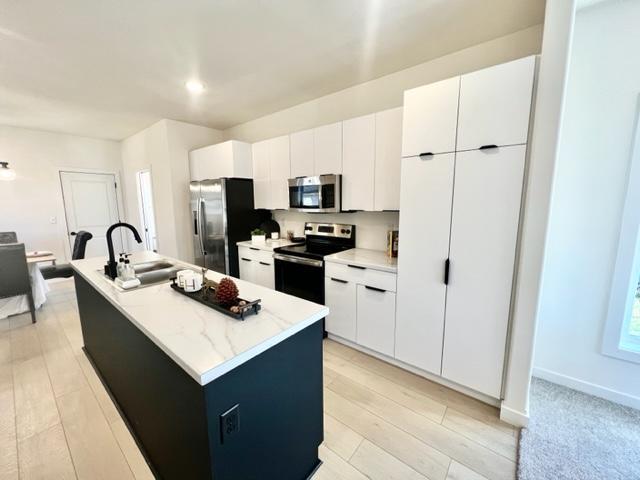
90	204
145	197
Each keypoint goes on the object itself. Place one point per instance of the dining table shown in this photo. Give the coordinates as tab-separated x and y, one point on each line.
20	304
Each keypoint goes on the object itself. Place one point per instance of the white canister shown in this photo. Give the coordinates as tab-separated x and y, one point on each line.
182	274
193	283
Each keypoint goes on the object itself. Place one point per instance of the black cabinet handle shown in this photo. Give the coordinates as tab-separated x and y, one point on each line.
338	280
254	248
488	147
426	154
374	289
264	263
357	266
447	266
245	259
73	234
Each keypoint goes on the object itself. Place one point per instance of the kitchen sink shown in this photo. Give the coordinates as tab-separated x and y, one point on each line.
154	272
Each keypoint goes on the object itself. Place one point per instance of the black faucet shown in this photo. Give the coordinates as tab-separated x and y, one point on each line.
111	268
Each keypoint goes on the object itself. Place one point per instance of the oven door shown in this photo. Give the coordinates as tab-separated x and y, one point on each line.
300	277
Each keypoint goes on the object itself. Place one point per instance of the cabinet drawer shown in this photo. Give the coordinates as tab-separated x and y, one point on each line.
362	275
376	319
254	253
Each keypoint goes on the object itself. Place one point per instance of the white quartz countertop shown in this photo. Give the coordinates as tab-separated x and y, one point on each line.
268	246
365	258
204	342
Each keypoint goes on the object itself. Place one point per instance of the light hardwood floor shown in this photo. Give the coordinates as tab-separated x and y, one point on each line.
381	422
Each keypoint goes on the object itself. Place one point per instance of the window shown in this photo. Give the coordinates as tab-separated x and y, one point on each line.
622	331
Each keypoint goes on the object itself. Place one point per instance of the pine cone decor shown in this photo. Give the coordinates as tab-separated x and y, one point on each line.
226	292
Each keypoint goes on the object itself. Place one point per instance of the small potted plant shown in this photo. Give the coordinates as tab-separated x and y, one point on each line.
258	236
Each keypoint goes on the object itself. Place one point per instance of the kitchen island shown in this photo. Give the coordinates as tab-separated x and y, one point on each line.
206	395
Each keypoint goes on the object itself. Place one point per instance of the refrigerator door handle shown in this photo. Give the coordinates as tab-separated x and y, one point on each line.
203	231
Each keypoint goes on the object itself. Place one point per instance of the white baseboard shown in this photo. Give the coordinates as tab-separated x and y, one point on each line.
586	387
513	417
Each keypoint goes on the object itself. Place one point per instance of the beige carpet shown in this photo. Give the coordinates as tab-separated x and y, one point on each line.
574	436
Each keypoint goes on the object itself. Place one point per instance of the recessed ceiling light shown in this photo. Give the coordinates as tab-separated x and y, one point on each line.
194	86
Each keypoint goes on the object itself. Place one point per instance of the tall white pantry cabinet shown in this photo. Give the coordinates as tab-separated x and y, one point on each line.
464	147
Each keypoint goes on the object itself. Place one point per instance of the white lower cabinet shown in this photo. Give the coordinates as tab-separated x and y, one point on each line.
362	302
256	266
376	319
340	297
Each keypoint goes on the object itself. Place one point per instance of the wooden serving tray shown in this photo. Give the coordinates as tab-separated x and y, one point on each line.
249	308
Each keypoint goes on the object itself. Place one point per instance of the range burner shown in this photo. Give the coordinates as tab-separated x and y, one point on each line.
299	269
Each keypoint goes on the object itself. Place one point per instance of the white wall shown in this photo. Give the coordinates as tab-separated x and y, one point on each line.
163	148
588	194
543	153
387	91
28	203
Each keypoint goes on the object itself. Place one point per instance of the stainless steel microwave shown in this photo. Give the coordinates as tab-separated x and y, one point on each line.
321	194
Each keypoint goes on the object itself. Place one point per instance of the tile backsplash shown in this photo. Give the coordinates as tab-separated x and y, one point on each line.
371	227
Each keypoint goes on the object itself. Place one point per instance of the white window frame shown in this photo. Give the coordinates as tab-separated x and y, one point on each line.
627	268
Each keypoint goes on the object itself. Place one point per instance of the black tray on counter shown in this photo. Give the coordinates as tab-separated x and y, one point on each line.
250	308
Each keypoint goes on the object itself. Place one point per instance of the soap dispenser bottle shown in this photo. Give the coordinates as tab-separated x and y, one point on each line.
128	271
120	267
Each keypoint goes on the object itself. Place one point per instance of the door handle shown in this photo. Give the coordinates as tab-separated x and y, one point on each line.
488	147
203	230
447	266
264	263
245	259
338	280
357	266
375	289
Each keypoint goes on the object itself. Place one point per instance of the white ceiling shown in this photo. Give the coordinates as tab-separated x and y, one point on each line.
109	68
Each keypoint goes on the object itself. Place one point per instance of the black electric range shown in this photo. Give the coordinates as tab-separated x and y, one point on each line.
299	269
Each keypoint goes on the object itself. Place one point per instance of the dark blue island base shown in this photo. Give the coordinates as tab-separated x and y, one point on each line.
190	431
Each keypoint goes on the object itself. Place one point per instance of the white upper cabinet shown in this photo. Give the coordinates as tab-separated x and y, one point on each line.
430	117
280	171
425	220
358	162
228	159
495	104
302	153
484	230
261	175
271	170
388	156
328	149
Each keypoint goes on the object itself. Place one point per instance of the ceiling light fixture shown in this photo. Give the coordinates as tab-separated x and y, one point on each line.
194	86
6	173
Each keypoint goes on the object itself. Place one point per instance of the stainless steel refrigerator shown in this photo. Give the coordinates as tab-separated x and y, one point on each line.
222	214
